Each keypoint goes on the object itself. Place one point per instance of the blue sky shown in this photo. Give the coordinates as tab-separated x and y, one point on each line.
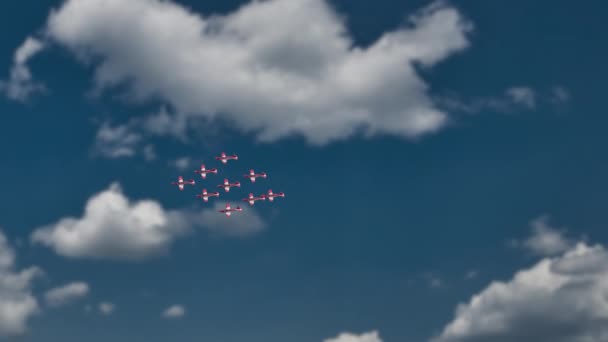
430	152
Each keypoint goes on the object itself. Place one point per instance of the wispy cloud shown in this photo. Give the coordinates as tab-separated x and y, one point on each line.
21	84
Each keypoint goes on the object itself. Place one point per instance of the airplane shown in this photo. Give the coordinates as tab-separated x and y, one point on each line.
203	171
252	175
272	195
181	182
205	195
227	185
228	211
224	158
251	199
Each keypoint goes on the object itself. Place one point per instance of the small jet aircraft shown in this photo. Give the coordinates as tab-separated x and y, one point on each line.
181	182
271	195
228	211
204	171
252	175
225	158
227	185
205	195
251	199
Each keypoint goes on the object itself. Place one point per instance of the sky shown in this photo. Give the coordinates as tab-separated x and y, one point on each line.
442	162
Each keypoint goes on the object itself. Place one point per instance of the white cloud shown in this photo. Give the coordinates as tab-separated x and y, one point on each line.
560	299
560	95
116	142
522	95
512	99
106	308
182	163
175	311
66	294
127	140
21	84
349	337
471	274
247	66
149	153
17	304
113	227
545	239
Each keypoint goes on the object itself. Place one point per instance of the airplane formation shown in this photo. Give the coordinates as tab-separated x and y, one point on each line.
203	171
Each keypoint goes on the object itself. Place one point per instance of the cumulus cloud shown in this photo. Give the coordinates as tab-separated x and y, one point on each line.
114	227
247	68
17	303
106	308
560	299
545	239
20	84
174	311
349	337
66	294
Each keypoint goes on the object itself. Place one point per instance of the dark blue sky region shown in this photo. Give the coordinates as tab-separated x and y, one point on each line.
378	233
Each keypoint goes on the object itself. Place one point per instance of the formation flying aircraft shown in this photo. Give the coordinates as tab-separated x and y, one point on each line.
229	210
227	185
205	195
252	175
181	182
251	199
204	171
225	158
271	195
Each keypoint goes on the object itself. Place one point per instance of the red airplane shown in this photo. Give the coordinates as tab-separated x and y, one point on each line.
228	211
203	171
227	185
251	199
205	195
272	195
252	175
224	158
181	182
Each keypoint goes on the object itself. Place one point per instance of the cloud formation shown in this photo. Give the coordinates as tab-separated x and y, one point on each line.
349	337
545	239
17	303
174	311
116	142
66	294
247	68
20	84
106	308
114	227
560	299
